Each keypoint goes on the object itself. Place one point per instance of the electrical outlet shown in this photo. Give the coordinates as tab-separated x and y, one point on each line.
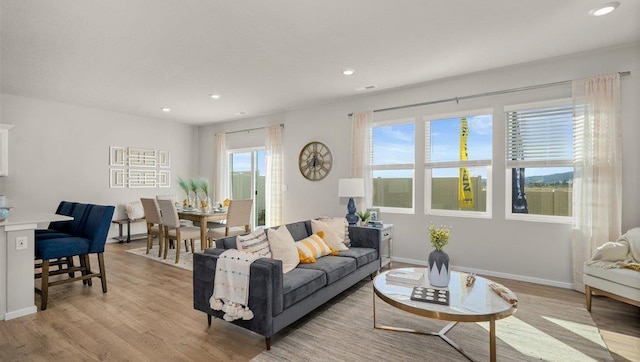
21	243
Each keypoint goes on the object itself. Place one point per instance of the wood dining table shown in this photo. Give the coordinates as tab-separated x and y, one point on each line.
203	218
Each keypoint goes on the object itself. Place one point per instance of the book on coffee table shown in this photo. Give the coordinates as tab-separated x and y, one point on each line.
401	276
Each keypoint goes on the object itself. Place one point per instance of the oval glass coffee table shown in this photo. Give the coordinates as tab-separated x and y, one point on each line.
477	303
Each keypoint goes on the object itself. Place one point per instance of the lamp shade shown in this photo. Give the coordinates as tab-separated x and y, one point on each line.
351	187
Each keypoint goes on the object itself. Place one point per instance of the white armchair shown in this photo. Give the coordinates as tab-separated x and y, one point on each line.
613	271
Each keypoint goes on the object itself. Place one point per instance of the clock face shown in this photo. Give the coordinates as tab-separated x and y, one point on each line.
315	161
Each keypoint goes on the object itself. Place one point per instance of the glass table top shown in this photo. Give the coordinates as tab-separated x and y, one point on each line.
475	303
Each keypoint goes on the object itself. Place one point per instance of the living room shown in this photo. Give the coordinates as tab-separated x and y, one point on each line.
59	150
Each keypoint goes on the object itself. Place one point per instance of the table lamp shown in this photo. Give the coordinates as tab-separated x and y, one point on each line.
351	187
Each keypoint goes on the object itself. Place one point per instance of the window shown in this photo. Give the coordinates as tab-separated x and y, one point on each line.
392	165
458	154
248	173
539	159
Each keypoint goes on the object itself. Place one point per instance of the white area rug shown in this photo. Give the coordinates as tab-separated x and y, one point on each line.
186	258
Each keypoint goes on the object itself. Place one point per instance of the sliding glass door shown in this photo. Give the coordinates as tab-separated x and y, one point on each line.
247	179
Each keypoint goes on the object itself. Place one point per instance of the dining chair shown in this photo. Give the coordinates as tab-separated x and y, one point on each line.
154	223
174	231
238	220
175	200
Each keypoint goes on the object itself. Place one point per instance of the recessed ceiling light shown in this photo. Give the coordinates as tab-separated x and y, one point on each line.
214	96
604	9
348	71
165	109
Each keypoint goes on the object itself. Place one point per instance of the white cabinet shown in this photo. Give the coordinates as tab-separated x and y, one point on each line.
4	149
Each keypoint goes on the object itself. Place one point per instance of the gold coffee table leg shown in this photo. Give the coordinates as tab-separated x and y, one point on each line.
492	340
440	334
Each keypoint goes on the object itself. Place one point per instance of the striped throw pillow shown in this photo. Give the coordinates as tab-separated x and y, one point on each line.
256	243
313	247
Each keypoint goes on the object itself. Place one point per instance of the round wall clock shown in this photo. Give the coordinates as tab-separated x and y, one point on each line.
315	161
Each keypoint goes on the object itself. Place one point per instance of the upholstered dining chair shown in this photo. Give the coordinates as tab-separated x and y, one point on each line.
238	220
174	199
89	238
174	231
154	223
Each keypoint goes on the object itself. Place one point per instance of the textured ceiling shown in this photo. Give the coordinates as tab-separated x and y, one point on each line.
136	57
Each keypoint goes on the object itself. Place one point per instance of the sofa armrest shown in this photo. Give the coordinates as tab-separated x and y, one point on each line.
265	289
365	237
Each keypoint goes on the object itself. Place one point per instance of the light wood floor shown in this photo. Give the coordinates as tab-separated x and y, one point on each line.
148	315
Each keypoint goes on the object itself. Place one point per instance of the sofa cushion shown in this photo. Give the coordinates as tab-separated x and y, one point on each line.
336	267
255	242
226	243
362	256
300	283
626	277
299	230
134	210
283	248
313	247
334	232
339	225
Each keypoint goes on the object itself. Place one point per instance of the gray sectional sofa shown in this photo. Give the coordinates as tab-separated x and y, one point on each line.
279	299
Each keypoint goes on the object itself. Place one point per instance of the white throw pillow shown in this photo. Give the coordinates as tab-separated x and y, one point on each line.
134	210
612	251
336	231
255	243
333	232
283	247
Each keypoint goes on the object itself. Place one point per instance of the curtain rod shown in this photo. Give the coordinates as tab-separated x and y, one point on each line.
250	129
487	94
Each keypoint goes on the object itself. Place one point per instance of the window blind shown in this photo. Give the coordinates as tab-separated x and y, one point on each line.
540	137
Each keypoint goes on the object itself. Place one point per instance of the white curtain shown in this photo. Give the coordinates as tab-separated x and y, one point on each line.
597	196
273	144
222	172
361	125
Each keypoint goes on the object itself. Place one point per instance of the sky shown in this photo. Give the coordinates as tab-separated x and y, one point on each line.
395	144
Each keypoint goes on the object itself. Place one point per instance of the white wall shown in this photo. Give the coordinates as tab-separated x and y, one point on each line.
538	252
61	152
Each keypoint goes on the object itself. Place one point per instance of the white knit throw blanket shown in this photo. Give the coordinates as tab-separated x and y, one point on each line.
231	284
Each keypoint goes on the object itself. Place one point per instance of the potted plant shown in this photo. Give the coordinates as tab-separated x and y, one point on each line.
364	216
193	187
205	201
184	185
439	265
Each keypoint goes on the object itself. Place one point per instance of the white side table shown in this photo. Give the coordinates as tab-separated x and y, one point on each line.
386	247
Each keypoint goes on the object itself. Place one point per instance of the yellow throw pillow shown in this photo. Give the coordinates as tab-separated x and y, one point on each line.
313	247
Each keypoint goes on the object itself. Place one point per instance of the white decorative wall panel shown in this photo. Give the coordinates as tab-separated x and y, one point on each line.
138	167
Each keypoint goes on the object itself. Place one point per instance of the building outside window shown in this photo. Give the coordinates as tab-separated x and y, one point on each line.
458	159
539	160
393	164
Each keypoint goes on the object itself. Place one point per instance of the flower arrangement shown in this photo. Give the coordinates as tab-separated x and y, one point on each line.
439	236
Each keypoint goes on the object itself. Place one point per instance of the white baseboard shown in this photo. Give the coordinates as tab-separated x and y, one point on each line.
21	312
491	273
